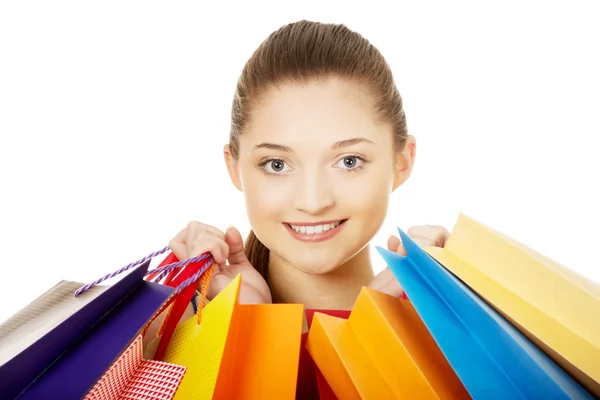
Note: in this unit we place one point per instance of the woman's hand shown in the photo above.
(426, 235)
(197, 239)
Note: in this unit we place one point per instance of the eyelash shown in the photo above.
(263, 163)
(362, 160)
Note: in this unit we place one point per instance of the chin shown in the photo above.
(316, 268)
(317, 264)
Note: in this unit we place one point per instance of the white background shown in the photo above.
(113, 116)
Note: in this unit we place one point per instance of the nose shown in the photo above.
(313, 194)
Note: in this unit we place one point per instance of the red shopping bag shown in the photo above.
(311, 383)
(133, 377)
(178, 276)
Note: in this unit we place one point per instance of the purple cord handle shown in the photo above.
(194, 277)
(162, 270)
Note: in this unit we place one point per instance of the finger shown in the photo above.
(215, 246)
(179, 249)
(424, 242)
(436, 233)
(233, 238)
(386, 282)
(177, 245)
(397, 246)
(197, 228)
(393, 243)
(200, 240)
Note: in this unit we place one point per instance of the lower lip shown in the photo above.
(315, 237)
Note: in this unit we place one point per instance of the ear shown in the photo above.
(232, 168)
(405, 161)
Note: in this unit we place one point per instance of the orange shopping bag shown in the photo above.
(556, 308)
(235, 351)
(382, 351)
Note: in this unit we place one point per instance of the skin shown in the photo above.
(312, 152)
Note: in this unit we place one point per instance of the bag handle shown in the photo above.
(161, 271)
(194, 272)
(205, 272)
(185, 280)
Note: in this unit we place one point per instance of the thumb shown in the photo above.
(234, 240)
(394, 244)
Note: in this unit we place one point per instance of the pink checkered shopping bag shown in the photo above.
(132, 377)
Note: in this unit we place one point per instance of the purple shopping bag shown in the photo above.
(63, 342)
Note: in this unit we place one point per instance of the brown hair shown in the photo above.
(303, 51)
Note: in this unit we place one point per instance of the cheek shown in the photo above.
(266, 198)
(366, 196)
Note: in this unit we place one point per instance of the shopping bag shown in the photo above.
(75, 372)
(306, 385)
(382, 351)
(41, 338)
(155, 349)
(490, 356)
(238, 351)
(324, 390)
(60, 344)
(553, 306)
(133, 377)
(311, 383)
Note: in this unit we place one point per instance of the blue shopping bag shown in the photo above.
(490, 356)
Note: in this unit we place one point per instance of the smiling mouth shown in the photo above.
(312, 229)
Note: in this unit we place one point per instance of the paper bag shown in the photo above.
(491, 357)
(383, 351)
(238, 351)
(59, 345)
(553, 306)
(133, 377)
(311, 383)
(191, 273)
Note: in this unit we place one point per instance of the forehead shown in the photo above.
(315, 114)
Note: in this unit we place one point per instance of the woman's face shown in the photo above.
(317, 169)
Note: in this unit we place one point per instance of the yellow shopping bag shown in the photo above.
(382, 351)
(235, 351)
(556, 308)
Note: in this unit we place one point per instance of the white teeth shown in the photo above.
(312, 229)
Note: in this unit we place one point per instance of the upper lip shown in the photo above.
(332, 221)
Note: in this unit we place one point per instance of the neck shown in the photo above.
(336, 290)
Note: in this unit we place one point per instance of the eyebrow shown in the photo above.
(337, 145)
(350, 142)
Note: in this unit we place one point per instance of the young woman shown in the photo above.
(318, 143)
